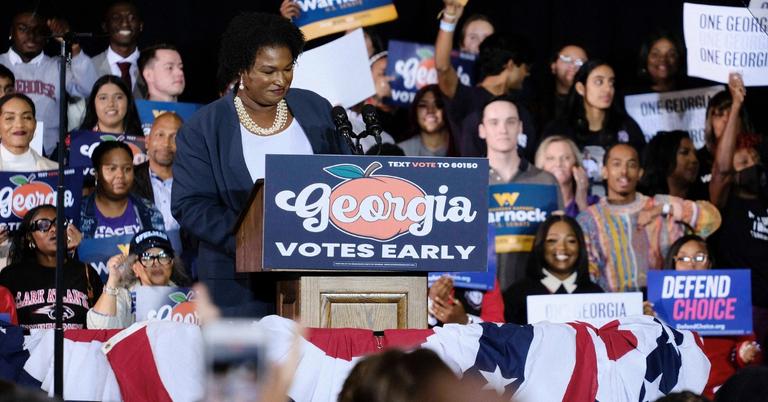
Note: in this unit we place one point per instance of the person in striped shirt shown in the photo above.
(629, 233)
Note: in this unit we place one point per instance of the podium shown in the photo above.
(333, 299)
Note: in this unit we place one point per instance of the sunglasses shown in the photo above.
(698, 258)
(571, 60)
(162, 258)
(45, 224)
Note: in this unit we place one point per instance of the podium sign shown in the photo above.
(375, 213)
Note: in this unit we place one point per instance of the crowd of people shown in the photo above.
(626, 205)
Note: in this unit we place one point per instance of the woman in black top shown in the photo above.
(558, 265)
(31, 275)
(594, 121)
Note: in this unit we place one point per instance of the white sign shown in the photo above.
(338, 70)
(594, 308)
(721, 40)
(677, 110)
(37, 138)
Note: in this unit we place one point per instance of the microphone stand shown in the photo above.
(65, 57)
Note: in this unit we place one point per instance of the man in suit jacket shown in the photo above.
(123, 24)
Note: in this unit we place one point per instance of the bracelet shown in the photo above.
(110, 290)
(666, 209)
(447, 26)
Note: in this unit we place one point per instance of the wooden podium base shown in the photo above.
(355, 301)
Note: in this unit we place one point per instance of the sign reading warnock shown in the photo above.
(22, 191)
(516, 211)
(375, 213)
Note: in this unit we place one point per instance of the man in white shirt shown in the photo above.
(163, 72)
(123, 24)
(37, 75)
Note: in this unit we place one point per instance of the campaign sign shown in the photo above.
(413, 66)
(473, 280)
(594, 308)
(149, 110)
(22, 191)
(675, 110)
(98, 251)
(711, 302)
(721, 40)
(375, 213)
(84, 142)
(167, 303)
(516, 211)
(324, 17)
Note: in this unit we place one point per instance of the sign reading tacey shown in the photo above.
(375, 213)
(594, 308)
(721, 40)
(712, 302)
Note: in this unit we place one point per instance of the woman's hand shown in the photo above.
(290, 9)
(441, 288)
(452, 10)
(748, 351)
(115, 265)
(736, 88)
(74, 237)
(582, 187)
(449, 311)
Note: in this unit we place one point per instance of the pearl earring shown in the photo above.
(242, 87)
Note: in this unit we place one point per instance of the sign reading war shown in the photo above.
(375, 213)
(712, 302)
(516, 211)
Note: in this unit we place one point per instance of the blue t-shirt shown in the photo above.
(128, 224)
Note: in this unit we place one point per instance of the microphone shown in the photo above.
(344, 128)
(372, 126)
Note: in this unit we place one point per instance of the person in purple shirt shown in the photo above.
(559, 156)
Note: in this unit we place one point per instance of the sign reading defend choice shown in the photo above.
(712, 302)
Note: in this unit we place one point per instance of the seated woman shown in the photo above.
(558, 265)
(18, 125)
(151, 261)
(112, 210)
(110, 108)
(560, 156)
(670, 166)
(431, 133)
(31, 275)
(726, 353)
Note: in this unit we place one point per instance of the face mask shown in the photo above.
(752, 180)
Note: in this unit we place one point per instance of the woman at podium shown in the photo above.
(221, 149)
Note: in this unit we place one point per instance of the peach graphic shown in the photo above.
(28, 194)
(185, 309)
(368, 191)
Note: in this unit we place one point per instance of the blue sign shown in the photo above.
(22, 191)
(98, 251)
(319, 18)
(413, 66)
(149, 110)
(711, 302)
(375, 213)
(473, 280)
(516, 211)
(84, 142)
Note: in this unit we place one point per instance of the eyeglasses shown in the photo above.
(45, 224)
(571, 60)
(698, 258)
(162, 258)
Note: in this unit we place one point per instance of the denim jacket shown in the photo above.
(148, 214)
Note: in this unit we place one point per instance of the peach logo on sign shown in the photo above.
(28, 194)
(184, 309)
(371, 206)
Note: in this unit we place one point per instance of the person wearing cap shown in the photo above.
(150, 262)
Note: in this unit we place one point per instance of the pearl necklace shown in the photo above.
(280, 118)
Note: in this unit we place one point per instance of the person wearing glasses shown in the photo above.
(554, 89)
(726, 353)
(150, 262)
(30, 277)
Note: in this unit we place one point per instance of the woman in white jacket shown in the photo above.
(150, 262)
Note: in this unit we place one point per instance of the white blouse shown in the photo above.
(292, 141)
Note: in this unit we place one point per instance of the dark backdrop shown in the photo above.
(609, 29)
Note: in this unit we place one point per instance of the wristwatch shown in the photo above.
(110, 290)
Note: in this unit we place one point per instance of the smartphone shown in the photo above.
(236, 364)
